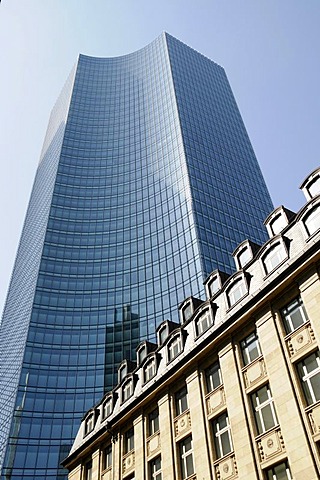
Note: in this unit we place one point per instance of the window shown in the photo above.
(174, 347)
(203, 322)
(186, 458)
(127, 390)
(107, 457)
(213, 286)
(250, 348)
(155, 469)
(213, 377)
(89, 424)
(163, 334)
(278, 224)
(312, 220)
(149, 370)
(142, 353)
(187, 312)
(237, 291)
(128, 441)
(153, 422)
(264, 410)
(279, 472)
(181, 401)
(274, 257)
(314, 187)
(107, 407)
(222, 435)
(294, 315)
(244, 257)
(309, 373)
(88, 470)
(122, 372)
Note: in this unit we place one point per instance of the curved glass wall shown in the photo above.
(128, 235)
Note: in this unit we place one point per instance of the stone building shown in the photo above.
(233, 391)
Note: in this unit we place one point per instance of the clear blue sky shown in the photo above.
(269, 48)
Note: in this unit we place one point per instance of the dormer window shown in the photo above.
(174, 347)
(274, 256)
(122, 372)
(213, 286)
(187, 312)
(162, 334)
(149, 370)
(127, 389)
(107, 407)
(277, 224)
(312, 220)
(311, 185)
(203, 322)
(314, 187)
(244, 257)
(89, 424)
(141, 353)
(236, 291)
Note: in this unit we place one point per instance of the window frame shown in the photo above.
(127, 389)
(218, 435)
(209, 376)
(153, 422)
(89, 424)
(306, 378)
(259, 408)
(272, 252)
(246, 352)
(237, 284)
(313, 209)
(128, 441)
(203, 317)
(106, 412)
(157, 474)
(176, 340)
(107, 457)
(181, 401)
(150, 362)
(184, 454)
(273, 474)
(286, 315)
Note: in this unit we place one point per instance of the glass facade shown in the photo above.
(149, 182)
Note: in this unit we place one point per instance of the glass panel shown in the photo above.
(213, 377)
(312, 222)
(278, 224)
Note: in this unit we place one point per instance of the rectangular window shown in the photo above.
(203, 323)
(174, 347)
(181, 401)
(155, 469)
(149, 370)
(279, 472)
(294, 315)
(128, 441)
(127, 390)
(222, 435)
(250, 348)
(107, 408)
(264, 410)
(153, 422)
(107, 457)
(88, 470)
(309, 373)
(186, 458)
(213, 377)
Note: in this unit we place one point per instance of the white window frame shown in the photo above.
(89, 424)
(153, 422)
(237, 291)
(246, 344)
(307, 376)
(127, 390)
(272, 474)
(141, 354)
(259, 407)
(128, 441)
(203, 322)
(155, 470)
(278, 223)
(163, 334)
(290, 309)
(122, 372)
(213, 286)
(311, 220)
(181, 401)
(107, 457)
(174, 347)
(88, 470)
(184, 454)
(274, 256)
(209, 373)
(107, 407)
(244, 257)
(149, 370)
(218, 433)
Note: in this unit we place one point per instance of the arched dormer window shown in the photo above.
(311, 220)
(175, 346)
(107, 407)
(163, 333)
(236, 291)
(122, 371)
(244, 253)
(188, 307)
(277, 224)
(278, 220)
(149, 369)
(203, 321)
(141, 353)
(127, 389)
(89, 423)
(311, 185)
(214, 282)
(244, 256)
(275, 254)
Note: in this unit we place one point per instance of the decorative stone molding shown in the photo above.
(153, 444)
(270, 444)
(314, 419)
(300, 341)
(254, 373)
(182, 424)
(128, 461)
(215, 400)
(107, 475)
(226, 468)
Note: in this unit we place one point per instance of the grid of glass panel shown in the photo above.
(121, 248)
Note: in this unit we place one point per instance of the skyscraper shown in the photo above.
(146, 183)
